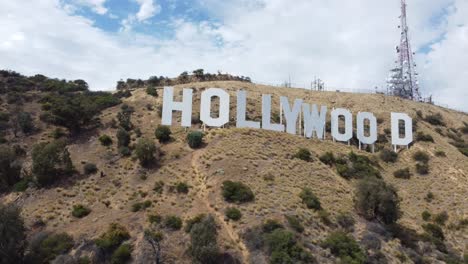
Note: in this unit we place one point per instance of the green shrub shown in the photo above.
(434, 231)
(328, 158)
(152, 91)
(80, 211)
(421, 157)
(163, 133)
(25, 122)
(324, 217)
(309, 199)
(141, 206)
(22, 185)
(388, 155)
(58, 133)
(195, 139)
(402, 173)
(125, 151)
(90, 168)
(346, 221)
(429, 197)
(158, 187)
(285, 249)
(123, 138)
(440, 153)
(13, 234)
(237, 192)
(357, 166)
(422, 168)
(377, 200)
(345, 247)
(10, 168)
(49, 161)
(426, 216)
(203, 242)
(122, 254)
(435, 120)
(303, 154)
(192, 221)
(441, 218)
(270, 225)
(295, 223)
(105, 140)
(173, 222)
(154, 219)
(420, 136)
(112, 238)
(145, 151)
(182, 187)
(125, 117)
(46, 247)
(233, 213)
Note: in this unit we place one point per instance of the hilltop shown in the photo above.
(293, 194)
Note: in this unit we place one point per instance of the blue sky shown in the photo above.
(350, 44)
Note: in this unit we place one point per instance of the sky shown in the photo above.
(349, 44)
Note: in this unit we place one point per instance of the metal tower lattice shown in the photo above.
(403, 81)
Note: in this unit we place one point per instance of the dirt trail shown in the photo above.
(203, 194)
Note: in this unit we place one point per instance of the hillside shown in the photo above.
(264, 161)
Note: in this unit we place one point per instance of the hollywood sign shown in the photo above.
(313, 118)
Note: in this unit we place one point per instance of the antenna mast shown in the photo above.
(403, 78)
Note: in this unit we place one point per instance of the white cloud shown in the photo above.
(147, 9)
(96, 5)
(349, 44)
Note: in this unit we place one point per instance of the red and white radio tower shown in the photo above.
(403, 78)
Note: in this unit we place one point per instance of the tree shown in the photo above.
(123, 138)
(12, 235)
(145, 151)
(155, 238)
(10, 168)
(375, 200)
(125, 117)
(203, 237)
(49, 160)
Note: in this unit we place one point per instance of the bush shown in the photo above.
(123, 138)
(125, 117)
(388, 156)
(173, 222)
(163, 133)
(22, 185)
(46, 247)
(182, 187)
(309, 199)
(152, 91)
(295, 223)
(125, 151)
(80, 211)
(434, 231)
(122, 254)
(429, 197)
(158, 187)
(58, 133)
(145, 151)
(13, 234)
(422, 168)
(192, 221)
(324, 217)
(440, 153)
(435, 120)
(105, 140)
(402, 173)
(90, 168)
(25, 122)
(303, 154)
(140, 206)
(376, 200)
(328, 158)
(420, 136)
(285, 249)
(346, 221)
(10, 168)
(421, 156)
(345, 247)
(426, 216)
(195, 139)
(204, 248)
(357, 166)
(154, 219)
(237, 192)
(441, 218)
(50, 160)
(233, 213)
(112, 238)
(270, 225)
